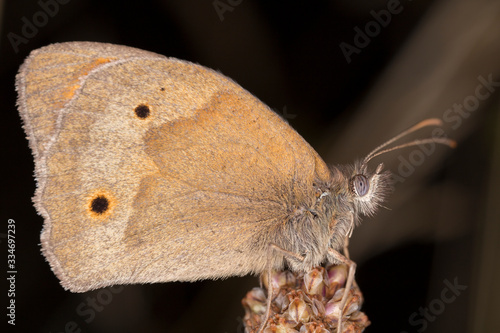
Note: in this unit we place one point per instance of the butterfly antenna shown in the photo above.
(424, 123)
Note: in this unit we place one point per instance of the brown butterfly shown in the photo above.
(153, 169)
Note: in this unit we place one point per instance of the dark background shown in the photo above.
(442, 222)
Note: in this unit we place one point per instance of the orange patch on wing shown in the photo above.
(74, 84)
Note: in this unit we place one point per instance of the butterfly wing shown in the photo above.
(154, 169)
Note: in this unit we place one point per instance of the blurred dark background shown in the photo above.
(442, 224)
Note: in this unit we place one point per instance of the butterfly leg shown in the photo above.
(270, 292)
(346, 254)
(350, 279)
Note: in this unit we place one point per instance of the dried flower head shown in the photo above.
(305, 302)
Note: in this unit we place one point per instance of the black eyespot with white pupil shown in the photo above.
(361, 185)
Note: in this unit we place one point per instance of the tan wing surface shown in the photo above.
(181, 192)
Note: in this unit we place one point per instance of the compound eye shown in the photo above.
(361, 185)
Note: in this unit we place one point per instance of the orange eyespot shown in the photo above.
(100, 204)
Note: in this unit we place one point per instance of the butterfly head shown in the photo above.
(367, 189)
